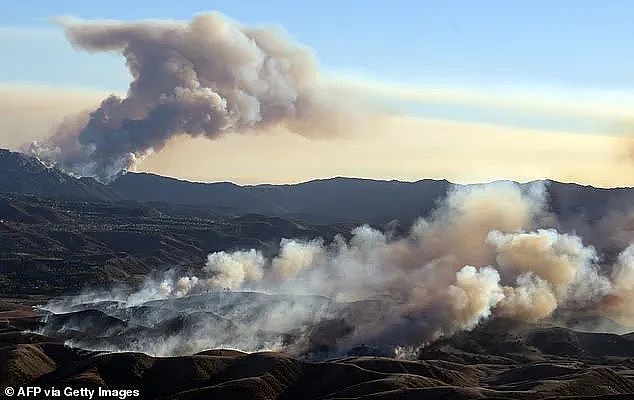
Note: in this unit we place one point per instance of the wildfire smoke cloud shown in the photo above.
(206, 77)
(487, 251)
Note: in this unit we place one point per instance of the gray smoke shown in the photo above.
(206, 77)
(487, 251)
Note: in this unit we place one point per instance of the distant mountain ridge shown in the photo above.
(331, 199)
(321, 201)
(23, 174)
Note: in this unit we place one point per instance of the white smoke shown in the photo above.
(487, 251)
(294, 257)
(560, 259)
(474, 295)
(234, 270)
(620, 304)
(530, 299)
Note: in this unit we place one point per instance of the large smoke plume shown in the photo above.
(487, 251)
(206, 77)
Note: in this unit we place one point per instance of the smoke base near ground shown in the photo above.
(487, 251)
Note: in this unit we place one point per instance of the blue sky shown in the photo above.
(542, 67)
(561, 43)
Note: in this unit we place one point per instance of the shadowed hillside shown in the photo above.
(59, 231)
(500, 360)
(23, 174)
(319, 201)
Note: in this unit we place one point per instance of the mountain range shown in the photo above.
(59, 233)
(318, 201)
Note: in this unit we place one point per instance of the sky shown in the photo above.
(479, 90)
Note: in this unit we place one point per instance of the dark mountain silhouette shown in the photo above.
(318, 201)
(222, 195)
(59, 233)
(326, 200)
(23, 174)
(365, 200)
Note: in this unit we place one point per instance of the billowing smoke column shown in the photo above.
(487, 251)
(201, 78)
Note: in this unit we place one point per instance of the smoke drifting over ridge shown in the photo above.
(487, 251)
(206, 77)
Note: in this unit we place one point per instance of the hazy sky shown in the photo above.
(479, 90)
